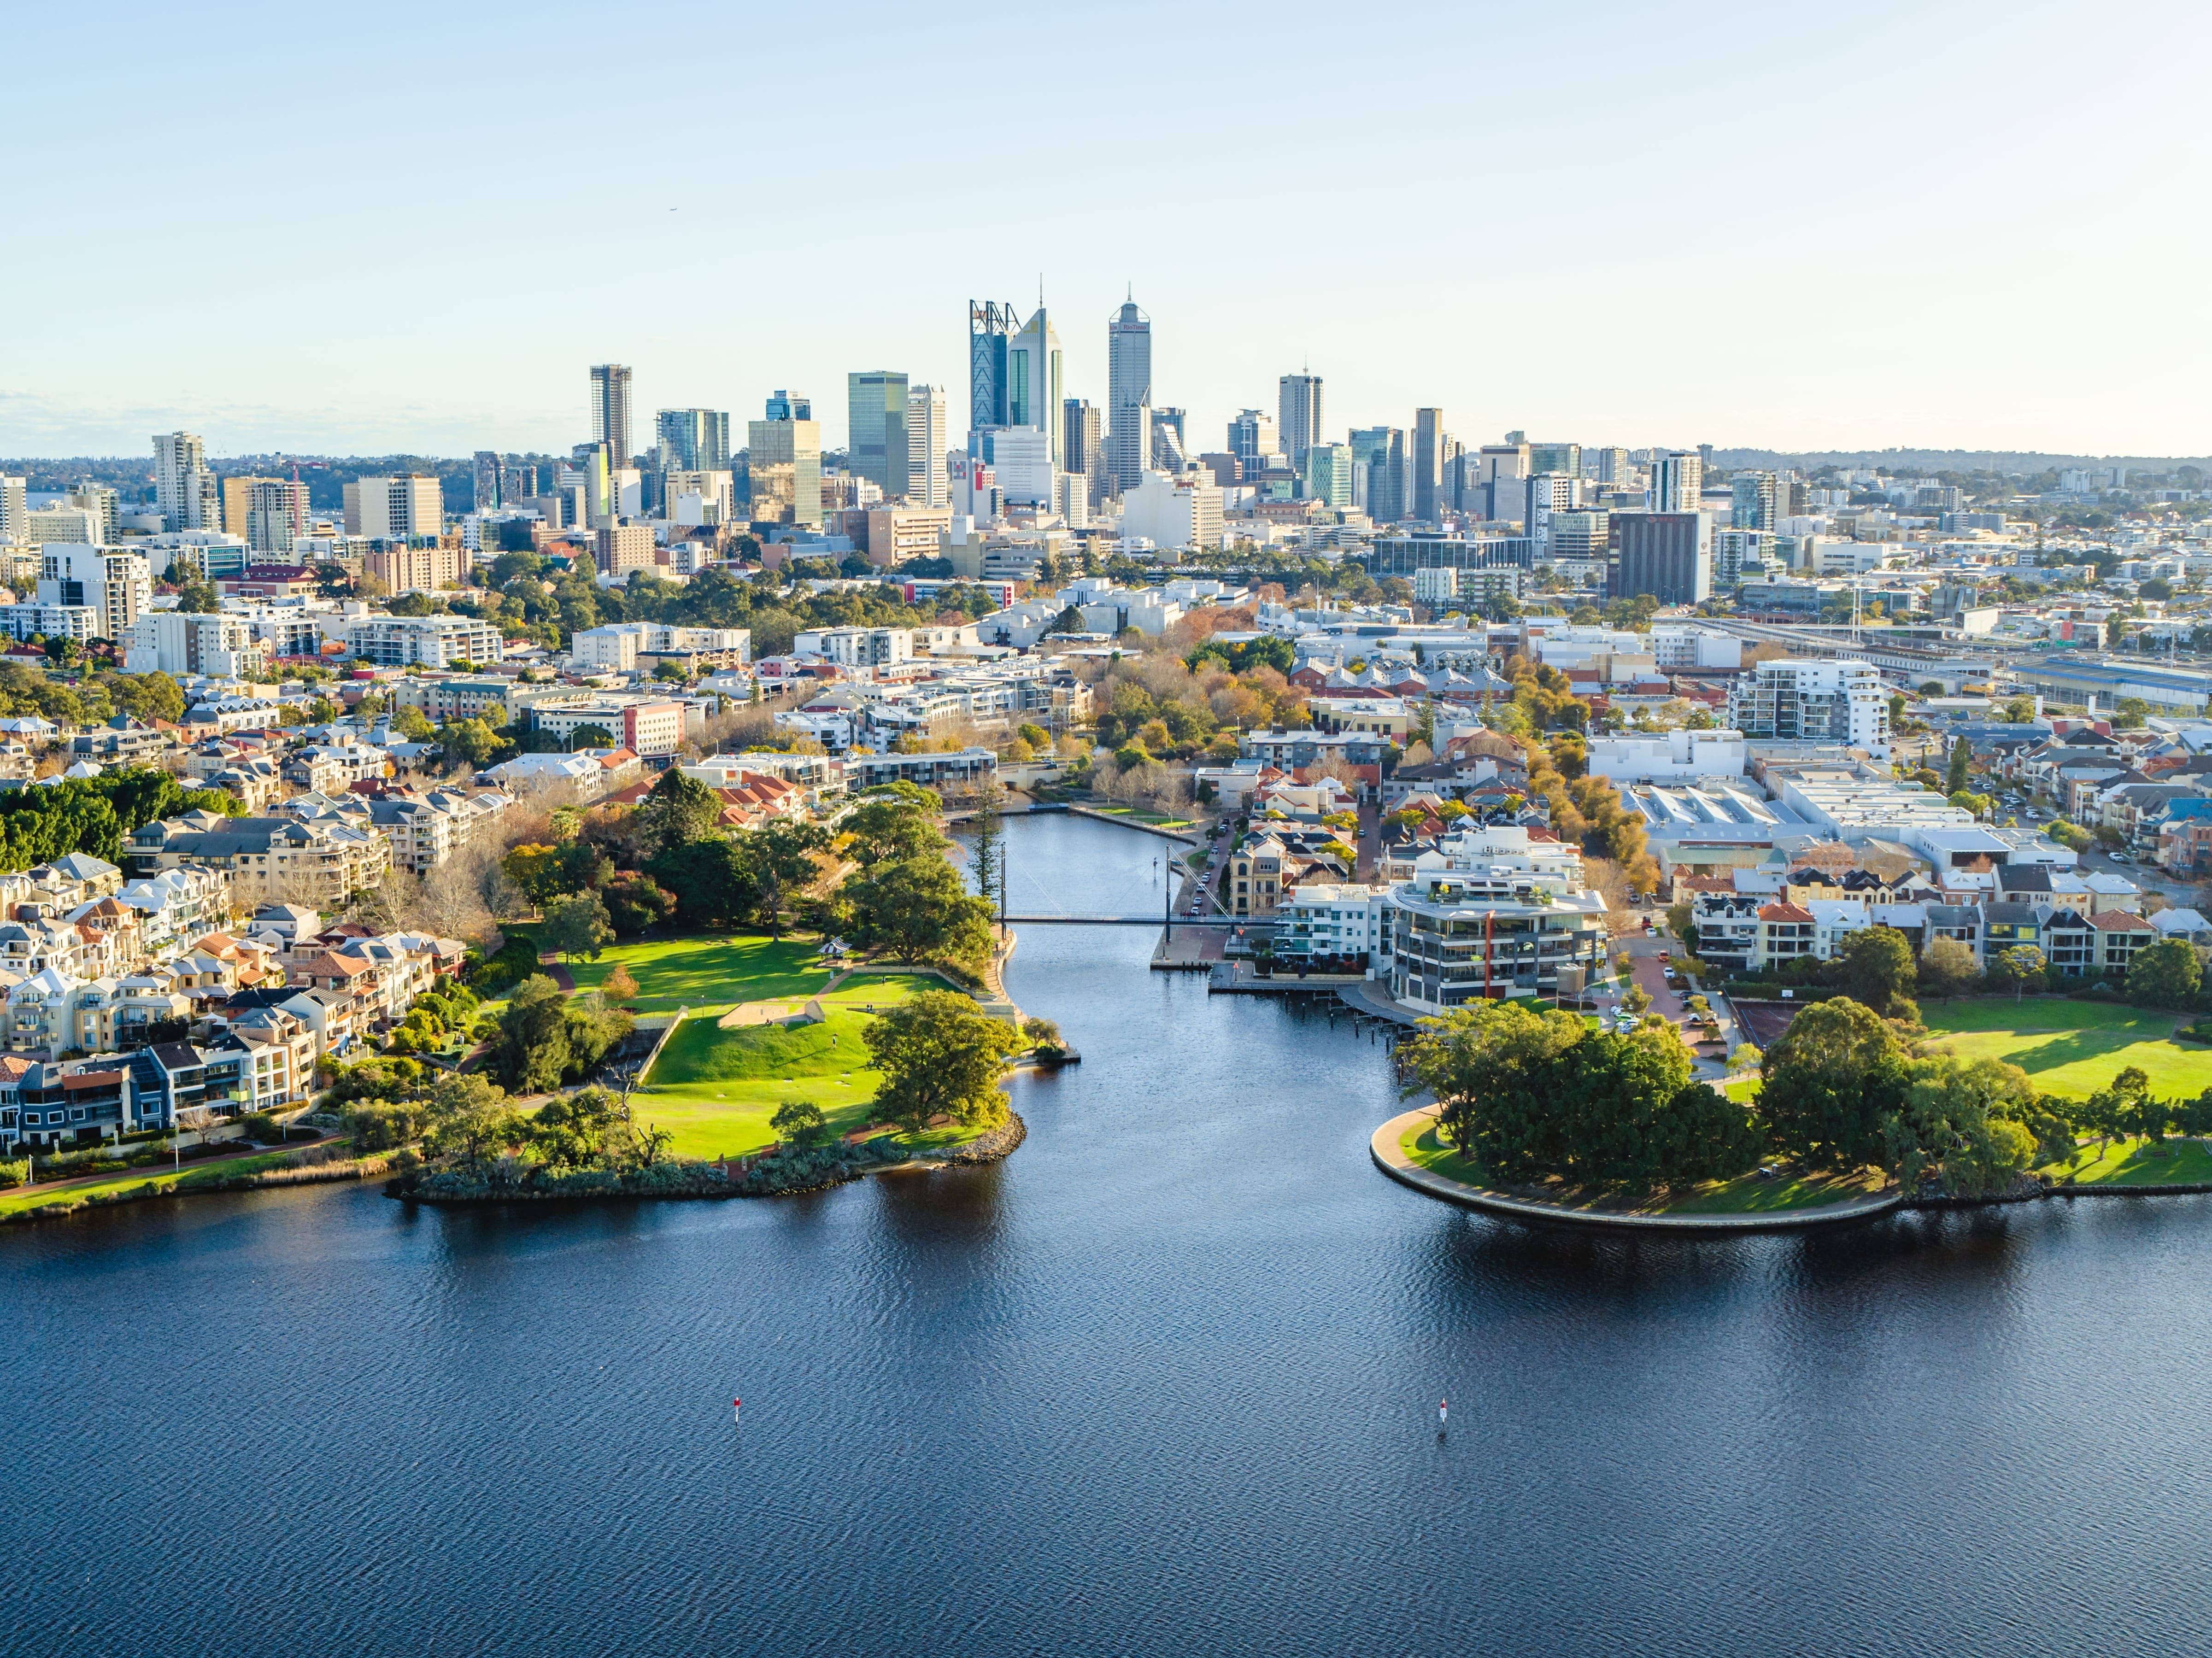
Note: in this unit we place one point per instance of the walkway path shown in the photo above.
(560, 974)
(156, 1170)
(1386, 1147)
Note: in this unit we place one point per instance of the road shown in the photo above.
(1648, 970)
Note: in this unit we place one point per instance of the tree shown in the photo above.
(2166, 974)
(2018, 965)
(533, 1036)
(1965, 1118)
(939, 1055)
(1949, 969)
(596, 736)
(577, 925)
(1875, 966)
(618, 983)
(1961, 760)
(1830, 1081)
(799, 1124)
(712, 881)
(414, 724)
(895, 822)
(198, 598)
(987, 852)
(678, 811)
(470, 1119)
(468, 742)
(918, 907)
(781, 855)
(636, 901)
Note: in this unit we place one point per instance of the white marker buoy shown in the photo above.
(1443, 1409)
(736, 1406)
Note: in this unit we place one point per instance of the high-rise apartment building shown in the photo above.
(1129, 395)
(14, 510)
(1033, 394)
(1791, 699)
(183, 489)
(276, 514)
(693, 439)
(1428, 463)
(1170, 444)
(1083, 446)
(101, 502)
(925, 482)
(1297, 417)
(237, 494)
(1669, 555)
(610, 410)
(990, 328)
(117, 586)
(394, 508)
(1678, 481)
(785, 460)
(876, 444)
(1542, 496)
(484, 495)
(1555, 458)
(1609, 465)
(1252, 440)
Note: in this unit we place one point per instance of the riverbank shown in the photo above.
(308, 1165)
(1405, 1149)
(775, 1173)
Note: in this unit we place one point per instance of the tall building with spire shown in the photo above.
(1297, 417)
(1033, 397)
(1129, 395)
(610, 410)
(990, 328)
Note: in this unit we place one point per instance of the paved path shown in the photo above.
(1389, 1156)
(560, 974)
(155, 1170)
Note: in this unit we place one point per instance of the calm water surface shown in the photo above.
(1164, 1383)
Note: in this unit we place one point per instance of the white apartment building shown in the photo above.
(76, 523)
(857, 647)
(394, 508)
(1174, 513)
(1793, 700)
(117, 586)
(14, 510)
(1694, 647)
(25, 621)
(430, 641)
(177, 642)
(1436, 586)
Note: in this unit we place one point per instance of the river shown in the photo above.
(1164, 1383)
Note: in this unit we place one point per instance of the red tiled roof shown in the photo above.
(2119, 920)
(1784, 912)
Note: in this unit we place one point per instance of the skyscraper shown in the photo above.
(183, 489)
(1327, 474)
(1428, 462)
(1033, 397)
(926, 482)
(876, 446)
(1297, 415)
(1083, 445)
(1171, 450)
(610, 410)
(486, 498)
(990, 326)
(275, 513)
(1129, 394)
(693, 439)
(1678, 481)
(15, 509)
(786, 463)
(1378, 456)
(1252, 440)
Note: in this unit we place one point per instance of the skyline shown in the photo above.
(1957, 229)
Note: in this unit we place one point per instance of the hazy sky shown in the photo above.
(305, 228)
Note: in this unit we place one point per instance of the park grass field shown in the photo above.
(2071, 1047)
(2134, 1163)
(707, 971)
(714, 1091)
(1749, 1195)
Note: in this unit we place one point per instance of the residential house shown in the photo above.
(267, 859)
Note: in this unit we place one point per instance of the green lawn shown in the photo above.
(2132, 1162)
(2073, 1048)
(714, 970)
(714, 1089)
(157, 1179)
(1750, 1195)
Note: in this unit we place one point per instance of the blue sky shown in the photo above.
(305, 228)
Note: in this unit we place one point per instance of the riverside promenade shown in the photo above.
(1387, 1147)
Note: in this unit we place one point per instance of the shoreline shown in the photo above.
(1383, 1147)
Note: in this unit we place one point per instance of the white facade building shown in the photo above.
(1174, 513)
(115, 586)
(1794, 699)
(1668, 758)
